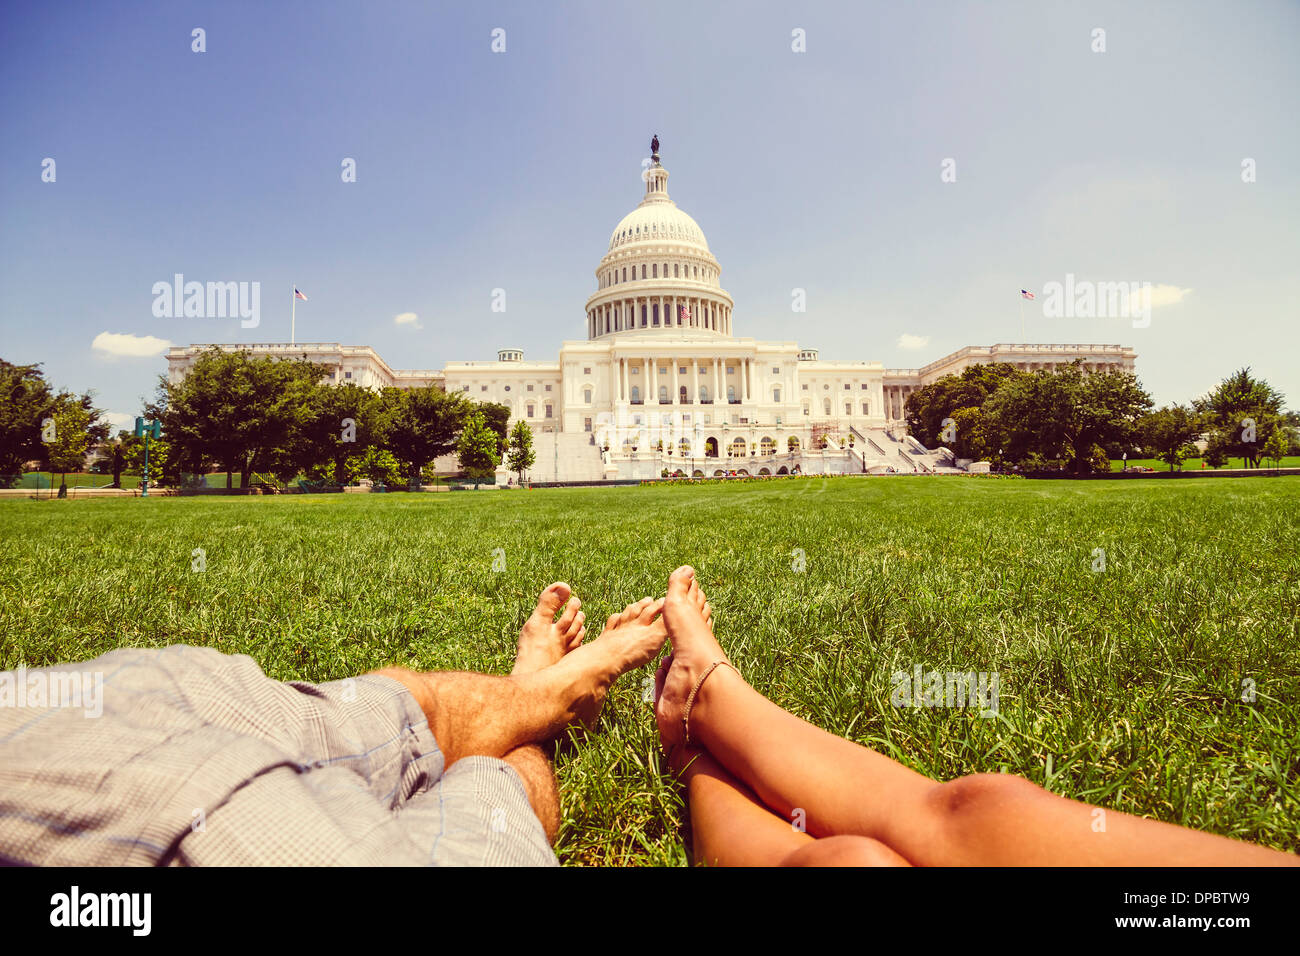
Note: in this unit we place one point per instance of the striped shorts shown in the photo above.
(188, 757)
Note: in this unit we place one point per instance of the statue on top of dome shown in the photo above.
(654, 146)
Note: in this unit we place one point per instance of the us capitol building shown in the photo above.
(662, 381)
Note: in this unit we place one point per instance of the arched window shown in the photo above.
(738, 448)
(586, 394)
(663, 394)
(675, 275)
(776, 395)
(531, 407)
(826, 403)
(642, 270)
(704, 394)
(792, 443)
(767, 446)
(731, 394)
(848, 408)
(684, 448)
(710, 448)
(681, 395)
(625, 273)
(636, 395)
(655, 272)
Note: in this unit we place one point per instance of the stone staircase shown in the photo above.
(877, 451)
(566, 456)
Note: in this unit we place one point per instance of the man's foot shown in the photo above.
(688, 620)
(630, 640)
(543, 640)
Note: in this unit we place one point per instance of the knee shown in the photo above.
(980, 793)
(844, 851)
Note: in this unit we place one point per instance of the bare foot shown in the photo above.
(630, 640)
(688, 619)
(543, 640)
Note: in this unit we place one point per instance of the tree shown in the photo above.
(927, 407)
(110, 458)
(376, 464)
(341, 422)
(25, 400)
(1240, 414)
(477, 448)
(1169, 433)
(1276, 447)
(1067, 415)
(241, 412)
(520, 454)
(420, 424)
(498, 419)
(69, 441)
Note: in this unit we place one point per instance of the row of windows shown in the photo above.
(738, 446)
(611, 318)
(827, 408)
(847, 386)
(484, 388)
(681, 270)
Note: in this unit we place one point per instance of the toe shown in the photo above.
(612, 620)
(570, 613)
(552, 599)
(651, 609)
(680, 581)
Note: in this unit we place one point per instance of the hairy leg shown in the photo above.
(486, 715)
(847, 789)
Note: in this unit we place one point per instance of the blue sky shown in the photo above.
(817, 170)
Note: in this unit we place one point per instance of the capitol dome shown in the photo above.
(658, 274)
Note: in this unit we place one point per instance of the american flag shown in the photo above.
(1026, 295)
(684, 313)
(299, 295)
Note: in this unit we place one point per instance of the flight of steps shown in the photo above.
(878, 451)
(577, 459)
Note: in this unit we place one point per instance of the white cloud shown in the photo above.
(119, 421)
(908, 341)
(1161, 295)
(129, 346)
(408, 318)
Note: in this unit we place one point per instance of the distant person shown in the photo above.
(752, 771)
(200, 758)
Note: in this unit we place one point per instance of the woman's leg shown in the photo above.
(731, 826)
(846, 789)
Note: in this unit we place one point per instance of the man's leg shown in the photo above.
(543, 640)
(484, 715)
(846, 789)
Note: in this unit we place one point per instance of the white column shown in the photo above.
(651, 381)
(717, 380)
(744, 381)
(676, 396)
(693, 393)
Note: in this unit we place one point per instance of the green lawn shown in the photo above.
(1194, 464)
(1122, 687)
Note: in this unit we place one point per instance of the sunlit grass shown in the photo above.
(1123, 687)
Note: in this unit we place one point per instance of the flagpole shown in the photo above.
(293, 312)
(1022, 318)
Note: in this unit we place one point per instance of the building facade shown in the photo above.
(663, 384)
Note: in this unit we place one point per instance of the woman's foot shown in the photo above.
(543, 640)
(688, 619)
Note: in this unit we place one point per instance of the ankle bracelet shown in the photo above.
(690, 701)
